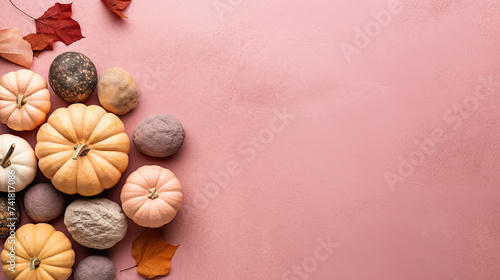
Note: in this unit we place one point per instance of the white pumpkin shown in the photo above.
(18, 164)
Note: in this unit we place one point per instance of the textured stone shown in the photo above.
(43, 202)
(117, 91)
(97, 223)
(95, 268)
(159, 135)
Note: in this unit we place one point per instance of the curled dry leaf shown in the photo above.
(117, 6)
(152, 254)
(14, 48)
(57, 21)
(40, 42)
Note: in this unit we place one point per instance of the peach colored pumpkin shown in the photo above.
(41, 253)
(24, 100)
(151, 196)
(82, 149)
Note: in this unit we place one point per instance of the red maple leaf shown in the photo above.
(117, 6)
(58, 22)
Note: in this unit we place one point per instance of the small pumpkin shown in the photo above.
(18, 164)
(151, 196)
(39, 253)
(82, 149)
(24, 100)
(73, 76)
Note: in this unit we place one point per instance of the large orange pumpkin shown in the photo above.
(151, 196)
(24, 100)
(82, 149)
(38, 252)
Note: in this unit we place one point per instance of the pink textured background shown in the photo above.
(320, 175)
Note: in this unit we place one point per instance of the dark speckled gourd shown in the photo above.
(73, 76)
(9, 212)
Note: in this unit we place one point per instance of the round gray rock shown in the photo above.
(43, 202)
(95, 267)
(97, 223)
(159, 135)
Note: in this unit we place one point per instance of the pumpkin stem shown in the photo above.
(5, 161)
(80, 150)
(152, 193)
(34, 263)
(20, 100)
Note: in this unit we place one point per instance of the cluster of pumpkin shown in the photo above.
(82, 150)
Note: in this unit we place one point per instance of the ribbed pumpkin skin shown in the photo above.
(88, 174)
(145, 211)
(51, 247)
(23, 162)
(36, 105)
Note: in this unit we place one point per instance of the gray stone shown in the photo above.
(95, 268)
(43, 202)
(97, 223)
(159, 135)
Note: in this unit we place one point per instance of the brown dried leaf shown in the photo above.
(117, 6)
(152, 254)
(40, 42)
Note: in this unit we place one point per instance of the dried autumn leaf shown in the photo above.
(117, 6)
(152, 254)
(40, 42)
(58, 22)
(14, 48)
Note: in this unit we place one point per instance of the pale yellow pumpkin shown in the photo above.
(24, 100)
(17, 163)
(39, 252)
(82, 149)
(151, 196)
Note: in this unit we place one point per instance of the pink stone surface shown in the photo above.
(263, 195)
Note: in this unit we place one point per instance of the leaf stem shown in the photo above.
(128, 268)
(21, 10)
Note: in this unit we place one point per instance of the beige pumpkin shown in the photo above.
(82, 149)
(151, 196)
(39, 252)
(24, 100)
(18, 164)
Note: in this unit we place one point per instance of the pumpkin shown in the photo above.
(151, 196)
(73, 76)
(82, 149)
(18, 163)
(39, 252)
(24, 100)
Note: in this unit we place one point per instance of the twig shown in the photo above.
(21, 10)
(128, 268)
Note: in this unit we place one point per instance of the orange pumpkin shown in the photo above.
(24, 100)
(82, 149)
(151, 196)
(38, 252)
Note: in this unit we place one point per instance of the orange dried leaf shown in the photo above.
(117, 6)
(14, 48)
(152, 254)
